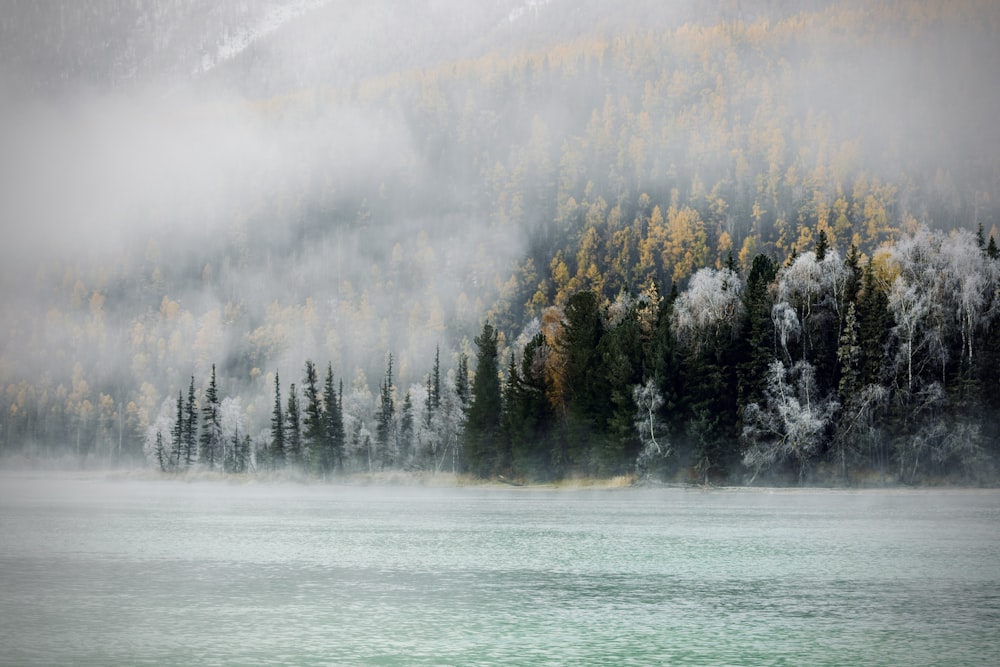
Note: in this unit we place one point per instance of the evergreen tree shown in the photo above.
(462, 381)
(757, 329)
(293, 428)
(277, 455)
(190, 426)
(313, 431)
(482, 428)
(822, 245)
(385, 425)
(177, 433)
(211, 427)
(528, 417)
(587, 407)
(406, 430)
(161, 456)
(434, 393)
(334, 440)
(621, 364)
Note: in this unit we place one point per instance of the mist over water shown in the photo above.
(97, 572)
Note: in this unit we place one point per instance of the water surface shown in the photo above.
(96, 572)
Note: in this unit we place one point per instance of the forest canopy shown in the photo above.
(753, 244)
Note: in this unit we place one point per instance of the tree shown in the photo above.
(159, 453)
(757, 330)
(482, 428)
(587, 407)
(293, 428)
(211, 431)
(650, 427)
(190, 426)
(312, 433)
(462, 381)
(277, 428)
(790, 424)
(334, 439)
(406, 430)
(385, 424)
(177, 433)
(433, 389)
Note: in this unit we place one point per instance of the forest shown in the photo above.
(758, 247)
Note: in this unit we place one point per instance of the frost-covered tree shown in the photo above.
(232, 433)
(790, 425)
(710, 306)
(652, 429)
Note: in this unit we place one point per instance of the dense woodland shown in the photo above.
(721, 250)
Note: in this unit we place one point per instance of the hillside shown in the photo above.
(346, 183)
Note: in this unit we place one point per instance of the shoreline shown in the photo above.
(429, 480)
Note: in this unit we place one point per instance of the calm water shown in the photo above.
(167, 573)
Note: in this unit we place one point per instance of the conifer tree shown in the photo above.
(482, 429)
(211, 427)
(177, 433)
(406, 430)
(293, 428)
(190, 426)
(332, 453)
(385, 421)
(161, 459)
(313, 431)
(462, 381)
(277, 428)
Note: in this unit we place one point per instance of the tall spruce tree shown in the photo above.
(332, 454)
(293, 428)
(312, 433)
(190, 426)
(406, 430)
(462, 381)
(177, 433)
(587, 405)
(385, 423)
(277, 454)
(482, 428)
(211, 427)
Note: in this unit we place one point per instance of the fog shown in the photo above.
(259, 183)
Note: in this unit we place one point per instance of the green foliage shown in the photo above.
(483, 442)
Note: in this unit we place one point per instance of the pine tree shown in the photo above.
(822, 246)
(177, 433)
(462, 381)
(277, 428)
(211, 428)
(159, 453)
(757, 330)
(293, 428)
(482, 429)
(406, 430)
(587, 406)
(332, 452)
(190, 426)
(313, 430)
(385, 430)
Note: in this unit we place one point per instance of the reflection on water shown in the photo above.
(108, 573)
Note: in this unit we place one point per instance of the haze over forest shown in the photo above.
(757, 239)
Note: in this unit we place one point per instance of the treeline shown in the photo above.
(829, 368)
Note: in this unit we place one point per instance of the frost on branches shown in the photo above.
(790, 425)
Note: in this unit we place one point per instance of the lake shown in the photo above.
(124, 572)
